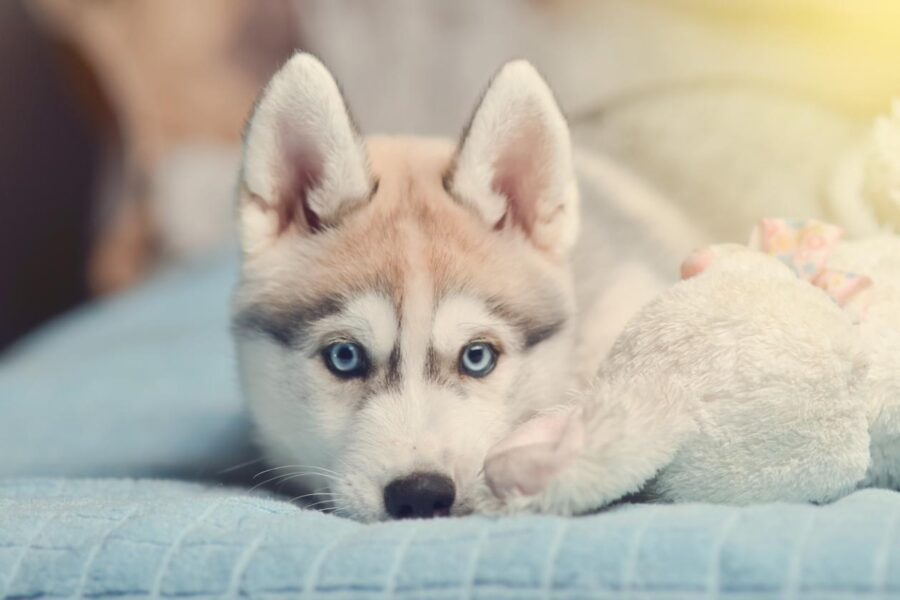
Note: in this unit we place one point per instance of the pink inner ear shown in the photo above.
(521, 174)
(301, 172)
(696, 263)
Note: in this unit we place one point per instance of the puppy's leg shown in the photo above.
(580, 458)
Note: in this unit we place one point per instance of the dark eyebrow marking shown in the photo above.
(392, 372)
(285, 326)
(432, 368)
(538, 333)
(532, 330)
(443, 373)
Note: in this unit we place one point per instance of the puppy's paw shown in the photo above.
(525, 463)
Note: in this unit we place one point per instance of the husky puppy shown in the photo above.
(404, 303)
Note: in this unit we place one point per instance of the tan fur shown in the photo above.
(370, 248)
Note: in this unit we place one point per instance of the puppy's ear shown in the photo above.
(514, 164)
(304, 163)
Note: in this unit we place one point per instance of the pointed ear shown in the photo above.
(514, 164)
(304, 164)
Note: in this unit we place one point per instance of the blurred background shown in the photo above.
(120, 120)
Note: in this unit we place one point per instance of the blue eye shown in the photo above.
(345, 359)
(477, 359)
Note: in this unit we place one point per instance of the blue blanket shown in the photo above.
(65, 537)
(120, 427)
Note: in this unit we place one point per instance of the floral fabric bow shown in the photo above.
(806, 248)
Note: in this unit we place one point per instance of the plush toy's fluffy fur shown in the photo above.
(742, 384)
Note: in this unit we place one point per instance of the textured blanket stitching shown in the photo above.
(486, 591)
(399, 557)
(92, 555)
(176, 544)
(27, 549)
(242, 564)
(469, 583)
(551, 557)
(91, 517)
(792, 585)
(312, 576)
(880, 568)
(715, 569)
(89, 546)
(32, 540)
(629, 569)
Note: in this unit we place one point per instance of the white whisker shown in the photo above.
(314, 504)
(239, 466)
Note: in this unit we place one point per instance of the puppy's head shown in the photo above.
(403, 303)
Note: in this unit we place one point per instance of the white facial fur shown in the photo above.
(443, 424)
(424, 425)
(412, 272)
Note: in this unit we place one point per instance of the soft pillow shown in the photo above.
(141, 385)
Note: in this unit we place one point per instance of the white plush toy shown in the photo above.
(768, 373)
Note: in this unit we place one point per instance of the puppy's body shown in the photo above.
(405, 303)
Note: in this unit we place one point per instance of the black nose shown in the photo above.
(419, 496)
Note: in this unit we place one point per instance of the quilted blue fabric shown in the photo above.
(105, 415)
(118, 538)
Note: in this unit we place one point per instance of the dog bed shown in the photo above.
(124, 470)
